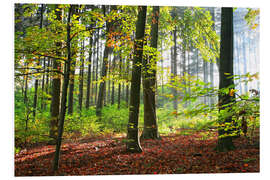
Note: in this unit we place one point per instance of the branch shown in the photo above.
(39, 54)
(45, 71)
(243, 99)
(87, 29)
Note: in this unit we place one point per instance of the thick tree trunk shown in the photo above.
(150, 129)
(226, 70)
(133, 143)
(64, 94)
(55, 93)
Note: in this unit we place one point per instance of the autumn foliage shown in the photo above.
(173, 154)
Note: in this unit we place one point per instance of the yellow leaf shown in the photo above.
(231, 93)
(256, 75)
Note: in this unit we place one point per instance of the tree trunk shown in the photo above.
(101, 93)
(64, 93)
(127, 85)
(113, 68)
(81, 76)
(25, 98)
(175, 106)
(133, 143)
(189, 72)
(197, 64)
(119, 84)
(184, 71)
(36, 81)
(88, 91)
(212, 63)
(92, 96)
(47, 83)
(97, 59)
(162, 78)
(55, 93)
(72, 75)
(43, 86)
(205, 79)
(109, 81)
(226, 70)
(150, 129)
(71, 86)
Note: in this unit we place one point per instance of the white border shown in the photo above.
(7, 99)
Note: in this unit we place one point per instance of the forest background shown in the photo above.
(7, 72)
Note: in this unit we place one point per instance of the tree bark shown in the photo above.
(212, 63)
(119, 84)
(225, 71)
(37, 81)
(55, 93)
(88, 91)
(43, 86)
(97, 59)
(47, 83)
(101, 93)
(113, 90)
(72, 75)
(81, 78)
(25, 98)
(133, 143)
(150, 129)
(64, 93)
(127, 85)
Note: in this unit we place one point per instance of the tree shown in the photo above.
(113, 90)
(88, 91)
(119, 84)
(100, 100)
(73, 67)
(64, 92)
(133, 144)
(225, 80)
(36, 81)
(97, 60)
(56, 85)
(150, 129)
(81, 78)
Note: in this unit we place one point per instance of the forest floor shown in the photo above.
(178, 153)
